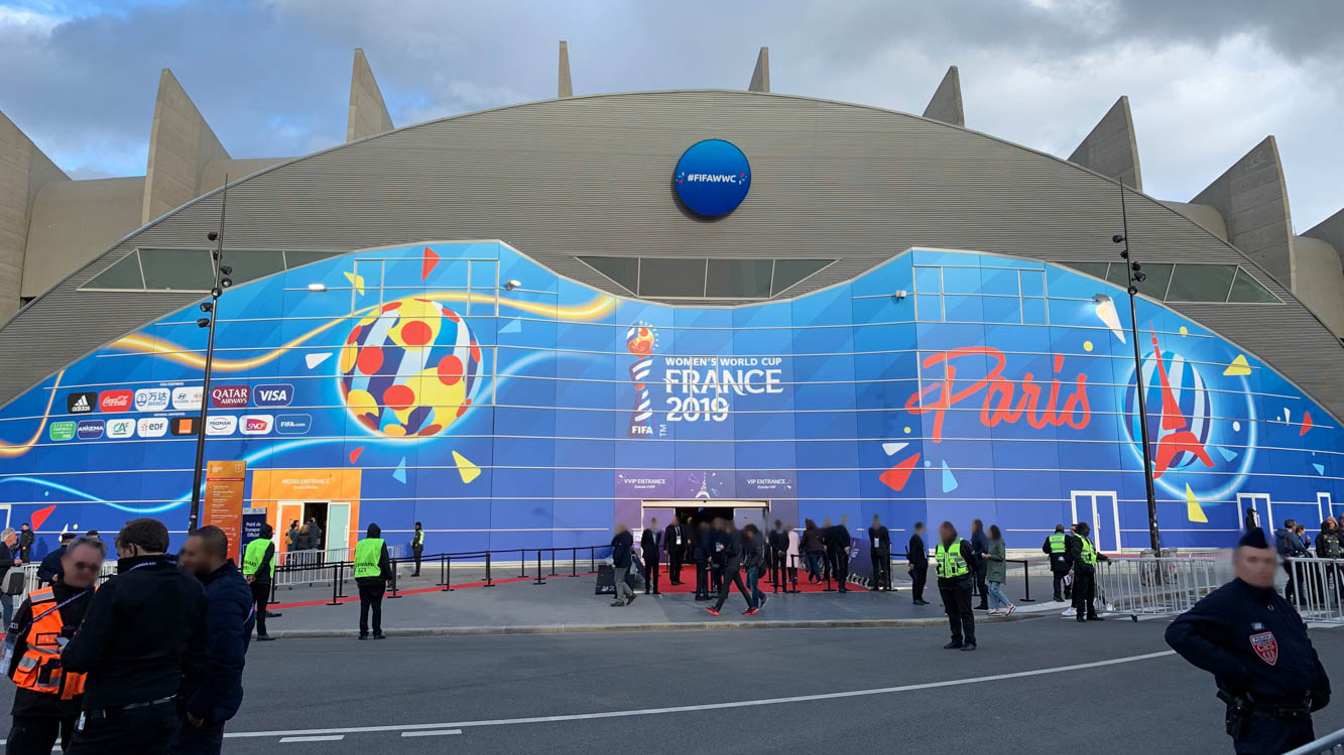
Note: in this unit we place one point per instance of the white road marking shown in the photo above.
(431, 733)
(328, 738)
(291, 735)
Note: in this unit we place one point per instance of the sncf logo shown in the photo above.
(256, 424)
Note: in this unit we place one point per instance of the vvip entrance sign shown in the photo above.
(712, 178)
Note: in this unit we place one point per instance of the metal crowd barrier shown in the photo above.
(312, 567)
(30, 581)
(1314, 589)
(1330, 744)
(1151, 586)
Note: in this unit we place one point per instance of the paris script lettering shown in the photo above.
(999, 404)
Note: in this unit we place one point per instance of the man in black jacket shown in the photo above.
(700, 553)
(674, 541)
(917, 555)
(839, 545)
(622, 543)
(649, 546)
(879, 550)
(779, 556)
(43, 711)
(205, 703)
(143, 634)
(26, 539)
(728, 557)
(50, 568)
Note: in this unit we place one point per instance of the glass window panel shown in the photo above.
(670, 277)
(1033, 283)
(1246, 288)
(963, 308)
(623, 270)
(739, 279)
(299, 259)
(123, 274)
(928, 280)
(997, 280)
(928, 308)
(791, 272)
(961, 280)
(1201, 282)
(1091, 268)
(999, 310)
(177, 269)
(252, 265)
(1159, 275)
(1033, 311)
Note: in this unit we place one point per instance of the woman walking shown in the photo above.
(997, 573)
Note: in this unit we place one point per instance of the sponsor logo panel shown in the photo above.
(256, 424)
(152, 427)
(120, 428)
(224, 424)
(228, 396)
(90, 429)
(64, 430)
(187, 398)
(116, 401)
(273, 394)
(152, 399)
(183, 425)
(293, 424)
(80, 403)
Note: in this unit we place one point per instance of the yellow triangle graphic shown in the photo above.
(468, 470)
(357, 281)
(1193, 511)
(1239, 366)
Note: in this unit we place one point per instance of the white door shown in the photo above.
(338, 530)
(1325, 504)
(1263, 508)
(4, 507)
(1101, 510)
(286, 512)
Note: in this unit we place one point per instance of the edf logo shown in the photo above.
(712, 178)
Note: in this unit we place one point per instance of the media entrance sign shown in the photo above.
(712, 178)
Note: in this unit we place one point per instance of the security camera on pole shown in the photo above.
(221, 273)
(1135, 277)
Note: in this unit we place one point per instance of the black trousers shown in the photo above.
(982, 585)
(651, 577)
(207, 739)
(919, 575)
(261, 595)
(701, 580)
(715, 577)
(881, 569)
(779, 572)
(371, 599)
(418, 552)
(674, 565)
(840, 568)
(29, 735)
(142, 730)
(1084, 592)
(1264, 735)
(960, 617)
(733, 574)
(1058, 583)
(1290, 591)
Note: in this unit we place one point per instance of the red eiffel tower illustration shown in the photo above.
(1178, 439)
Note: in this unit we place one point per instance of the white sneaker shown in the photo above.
(1011, 608)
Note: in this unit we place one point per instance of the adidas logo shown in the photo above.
(81, 404)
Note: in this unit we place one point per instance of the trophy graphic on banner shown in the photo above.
(639, 340)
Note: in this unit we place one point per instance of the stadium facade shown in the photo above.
(781, 306)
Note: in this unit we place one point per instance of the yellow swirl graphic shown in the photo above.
(8, 450)
(139, 342)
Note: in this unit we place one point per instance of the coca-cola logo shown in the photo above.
(116, 401)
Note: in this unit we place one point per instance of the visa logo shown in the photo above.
(273, 394)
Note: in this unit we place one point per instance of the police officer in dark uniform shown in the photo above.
(1257, 649)
(1084, 556)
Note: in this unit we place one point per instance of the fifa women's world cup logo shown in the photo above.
(639, 341)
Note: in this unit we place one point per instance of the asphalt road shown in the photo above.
(373, 693)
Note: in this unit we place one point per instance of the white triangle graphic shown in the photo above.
(314, 360)
(891, 449)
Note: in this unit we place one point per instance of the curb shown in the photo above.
(685, 626)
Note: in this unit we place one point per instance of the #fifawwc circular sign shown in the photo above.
(712, 178)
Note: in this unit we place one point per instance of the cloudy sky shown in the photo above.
(1207, 79)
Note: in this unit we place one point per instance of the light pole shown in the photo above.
(220, 273)
(1136, 276)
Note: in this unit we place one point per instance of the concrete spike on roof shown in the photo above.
(1110, 147)
(1253, 198)
(368, 112)
(946, 105)
(1331, 231)
(24, 170)
(181, 144)
(564, 85)
(760, 77)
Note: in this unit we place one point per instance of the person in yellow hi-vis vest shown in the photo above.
(373, 569)
(956, 562)
(259, 571)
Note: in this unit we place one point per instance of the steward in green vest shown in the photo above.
(259, 571)
(1085, 557)
(373, 568)
(1056, 546)
(955, 560)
